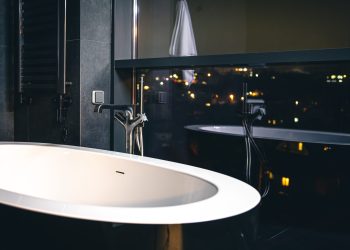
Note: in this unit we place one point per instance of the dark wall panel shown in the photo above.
(95, 75)
(6, 88)
(95, 20)
(88, 64)
(73, 76)
(95, 70)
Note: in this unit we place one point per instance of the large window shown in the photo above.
(243, 26)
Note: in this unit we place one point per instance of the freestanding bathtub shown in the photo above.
(107, 186)
(292, 135)
(308, 170)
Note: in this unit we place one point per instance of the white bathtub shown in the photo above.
(282, 134)
(114, 187)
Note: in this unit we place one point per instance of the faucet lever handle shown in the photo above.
(120, 117)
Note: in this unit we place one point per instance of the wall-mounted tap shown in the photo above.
(124, 114)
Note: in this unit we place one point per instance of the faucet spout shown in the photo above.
(101, 107)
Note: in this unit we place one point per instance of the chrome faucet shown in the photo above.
(124, 114)
(129, 122)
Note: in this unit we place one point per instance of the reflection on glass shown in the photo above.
(297, 96)
(241, 26)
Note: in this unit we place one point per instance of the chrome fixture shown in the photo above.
(134, 44)
(256, 109)
(139, 129)
(124, 114)
(253, 109)
(135, 29)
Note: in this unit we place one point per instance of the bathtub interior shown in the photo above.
(93, 178)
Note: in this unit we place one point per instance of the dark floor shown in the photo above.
(293, 237)
(22, 229)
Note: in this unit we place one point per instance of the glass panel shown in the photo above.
(304, 170)
(241, 26)
(304, 96)
(156, 18)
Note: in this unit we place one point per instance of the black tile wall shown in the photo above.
(6, 88)
(95, 70)
(4, 22)
(88, 68)
(73, 76)
(95, 75)
(95, 20)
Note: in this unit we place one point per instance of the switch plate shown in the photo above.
(98, 97)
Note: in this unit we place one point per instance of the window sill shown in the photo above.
(244, 59)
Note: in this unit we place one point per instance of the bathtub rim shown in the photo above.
(176, 214)
(198, 128)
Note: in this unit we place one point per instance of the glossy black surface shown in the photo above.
(25, 229)
(313, 97)
(275, 237)
(318, 177)
(300, 96)
(297, 96)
